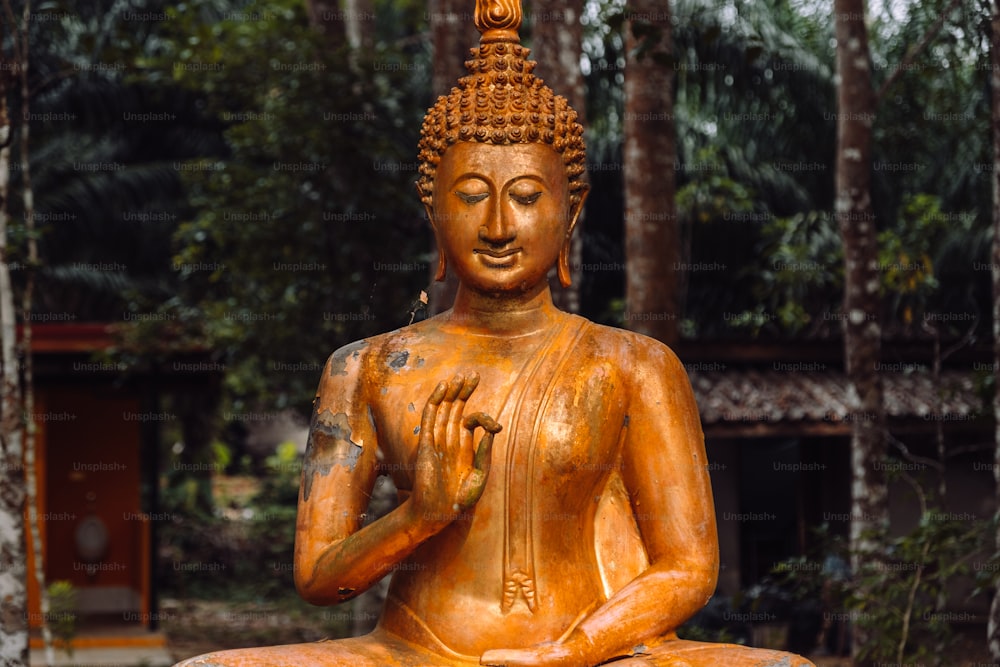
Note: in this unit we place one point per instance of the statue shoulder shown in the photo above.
(638, 353)
(346, 368)
(347, 361)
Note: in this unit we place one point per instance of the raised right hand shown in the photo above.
(450, 476)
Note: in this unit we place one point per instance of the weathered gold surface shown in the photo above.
(555, 506)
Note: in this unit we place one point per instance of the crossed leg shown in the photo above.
(384, 649)
(684, 653)
(376, 649)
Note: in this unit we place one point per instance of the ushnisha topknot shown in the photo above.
(501, 102)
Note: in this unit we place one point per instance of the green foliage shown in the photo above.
(932, 127)
(280, 486)
(305, 233)
(274, 509)
(755, 85)
(215, 553)
(801, 284)
(899, 595)
(904, 252)
(798, 280)
(99, 171)
(700, 633)
(907, 254)
(710, 194)
(898, 599)
(62, 613)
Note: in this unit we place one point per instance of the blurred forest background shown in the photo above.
(234, 181)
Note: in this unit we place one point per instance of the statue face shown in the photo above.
(501, 214)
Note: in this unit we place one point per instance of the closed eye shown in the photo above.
(527, 200)
(472, 198)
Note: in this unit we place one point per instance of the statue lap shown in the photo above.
(383, 649)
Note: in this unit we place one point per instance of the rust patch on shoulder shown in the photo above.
(338, 362)
(329, 444)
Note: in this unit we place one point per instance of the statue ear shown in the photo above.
(442, 268)
(562, 265)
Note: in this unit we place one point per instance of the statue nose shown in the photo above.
(497, 231)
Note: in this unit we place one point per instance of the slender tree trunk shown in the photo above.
(13, 571)
(359, 24)
(993, 626)
(30, 441)
(556, 43)
(862, 332)
(652, 252)
(453, 35)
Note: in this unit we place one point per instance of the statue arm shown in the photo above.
(335, 557)
(665, 472)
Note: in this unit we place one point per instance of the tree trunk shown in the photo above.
(993, 625)
(652, 254)
(453, 34)
(556, 43)
(327, 17)
(34, 527)
(13, 574)
(359, 24)
(862, 332)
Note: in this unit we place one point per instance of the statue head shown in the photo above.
(500, 102)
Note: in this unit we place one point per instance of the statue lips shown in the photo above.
(505, 258)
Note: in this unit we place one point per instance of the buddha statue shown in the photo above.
(554, 498)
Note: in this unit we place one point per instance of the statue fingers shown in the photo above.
(471, 382)
(484, 421)
(472, 487)
(429, 415)
(481, 458)
(456, 438)
(454, 387)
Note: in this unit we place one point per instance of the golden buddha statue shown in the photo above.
(554, 500)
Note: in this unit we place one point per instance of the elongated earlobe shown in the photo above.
(442, 269)
(562, 266)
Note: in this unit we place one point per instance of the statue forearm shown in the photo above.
(654, 603)
(335, 572)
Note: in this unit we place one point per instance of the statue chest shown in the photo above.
(561, 427)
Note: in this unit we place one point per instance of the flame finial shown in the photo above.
(498, 20)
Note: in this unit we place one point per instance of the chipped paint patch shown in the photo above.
(338, 362)
(784, 661)
(397, 360)
(330, 443)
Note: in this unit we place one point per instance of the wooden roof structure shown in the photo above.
(765, 390)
